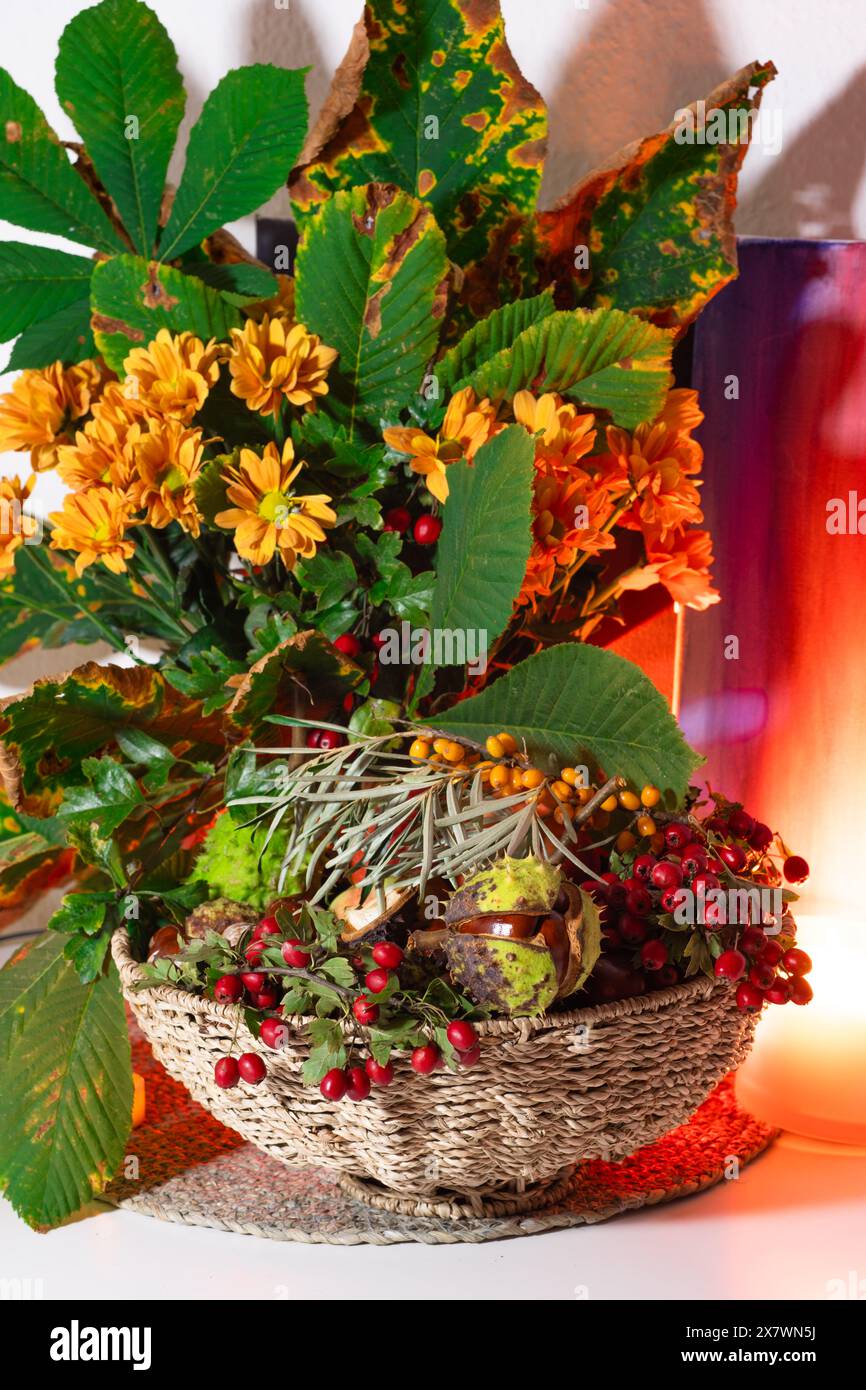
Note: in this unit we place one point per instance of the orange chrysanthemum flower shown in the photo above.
(267, 516)
(657, 461)
(94, 524)
(36, 413)
(276, 361)
(566, 435)
(173, 374)
(16, 528)
(468, 424)
(681, 562)
(168, 460)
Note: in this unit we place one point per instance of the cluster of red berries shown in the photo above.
(636, 958)
(425, 529)
(254, 988)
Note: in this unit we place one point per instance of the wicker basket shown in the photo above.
(503, 1136)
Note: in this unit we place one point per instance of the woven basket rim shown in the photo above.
(699, 987)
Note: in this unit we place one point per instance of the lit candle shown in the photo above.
(807, 1069)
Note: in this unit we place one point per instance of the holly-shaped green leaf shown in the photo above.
(39, 188)
(653, 230)
(240, 151)
(442, 110)
(371, 281)
(576, 703)
(65, 1083)
(117, 79)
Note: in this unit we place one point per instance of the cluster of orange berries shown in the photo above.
(555, 796)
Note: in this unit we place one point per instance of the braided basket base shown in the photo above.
(193, 1170)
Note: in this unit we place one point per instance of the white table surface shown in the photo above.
(790, 1225)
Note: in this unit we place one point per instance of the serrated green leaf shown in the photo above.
(117, 78)
(241, 149)
(370, 281)
(579, 703)
(657, 220)
(64, 337)
(65, 1083)
(490, 336)
(37, 283)
(132, 299)
(80, 912)
(39, 188)
(239, 282)
(486, 539)
(112, 795)
(444, 112)
(602, 358)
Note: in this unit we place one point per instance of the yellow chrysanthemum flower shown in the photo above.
(468, 424)
(275, 361)
(267, 516)
(93, 524)
(168, 460)
(15, 527)
(173, 374)
(35, 414)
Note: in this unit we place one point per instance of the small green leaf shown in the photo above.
(117, 79)
(241, 149)
(39, 188)
(490, 336)
(112, 795)
(579, 703)
(80, 912)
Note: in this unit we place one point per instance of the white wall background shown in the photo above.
(610, 71)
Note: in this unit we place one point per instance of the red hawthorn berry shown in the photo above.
(378, 1074)
(313, 737)
(461, 1035)
(666, 874)
(801, 990)
(796, 962)
(386, 954)
(632, 929)
(795, 869)
(779, 991)
(752, 941)
(761, 837)
(397, 519)
(426, 1059)
(253, 952)
(365, 1011)
(638, 900)
(333, 1084)
(734, 856)
(762, 975)
(274, 1033)
(426, 529)
(377, 980)
(225, 1073)
(741, 824)
(293, 954)
(348, 644)
(771, 954)
(471, 1057)
(254, 980)
(228, 989)
(642, 867)
(252, 1068)
(267, 998)
(677, 834)
(749, 998)
(358, 1087)
(730, 965)
(329, 738)
(653, 954)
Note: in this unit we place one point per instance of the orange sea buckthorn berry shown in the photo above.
(646, 825)
(508, 741)
(625, 841)
(610, 803)
(629, 801)
(583, 794)
(558, 816)
(569, 775)
(440, 745)
(420, 750)
(500, 776)
(532, 777)
(453, 752)
(545, 804)
(516, 778)
(657, 842)
(650, 796)
(494, 747)
(561, 790)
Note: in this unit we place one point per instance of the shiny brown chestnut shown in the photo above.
(516, 925)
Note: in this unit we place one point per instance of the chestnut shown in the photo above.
(517, 925)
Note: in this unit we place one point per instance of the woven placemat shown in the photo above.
(184, 1166)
